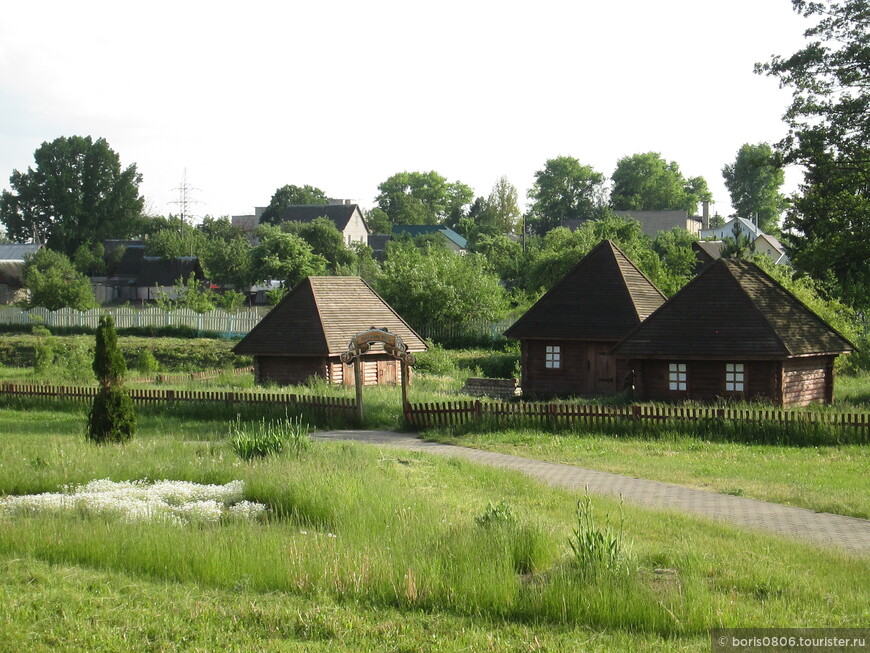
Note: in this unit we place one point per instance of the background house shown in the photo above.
(303, 336)
(348, 218)
(12, 258)
(453, 240)
(734, 332)
(143, 278)
(566, 337)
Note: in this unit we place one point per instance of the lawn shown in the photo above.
(366, 548)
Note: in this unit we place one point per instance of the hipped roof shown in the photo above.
(602, 298)
(733, 310)
(320, 316)
(340, 214)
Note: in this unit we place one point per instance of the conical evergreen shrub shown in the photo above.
(112, 418)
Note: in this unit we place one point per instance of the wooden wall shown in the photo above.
(587, 369)
(808, 380)
(706, 381)
(290, 370)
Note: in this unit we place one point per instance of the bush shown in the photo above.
(435, 361)
(146, 363)
(112, 417)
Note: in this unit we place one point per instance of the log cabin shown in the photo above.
(303, 336)
(566, 337)
(733, 332)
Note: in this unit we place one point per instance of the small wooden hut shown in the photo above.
(303, 336)
(734, 332)
(567, 335)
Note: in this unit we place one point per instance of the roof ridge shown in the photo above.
(625, 281)
(728, 263)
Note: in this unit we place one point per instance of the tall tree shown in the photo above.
(54, 283)
(754, 180)
(423, 198)
(77, 193)
(828, 222)
(284, 256)
(646, 182)
(503, 202)
(564, 189)
(290, 195)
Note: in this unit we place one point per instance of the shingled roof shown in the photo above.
(733, 310)
(340, 214)
(602, 298)
(319, 317)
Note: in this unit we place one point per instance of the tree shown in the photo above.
(754, 180)
(112, 417)
(229, 263)
(284, 256)
(53, 283)
(674, 249)
(436, 286)
(77, 193)
(646, 182)
(503, 202)
(828, 222)
(565, 190)
(739, 244)
(88, 259)
(290, 195)
(327, 241)
(423, 198)
(378, 221)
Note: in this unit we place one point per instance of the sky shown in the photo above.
(247, 97)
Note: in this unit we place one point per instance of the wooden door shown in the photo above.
(604, 371)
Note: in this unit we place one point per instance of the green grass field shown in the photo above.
(373, 549)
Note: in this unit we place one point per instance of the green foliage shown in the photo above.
(423, 198)
(146, 363)
(646, 182)
(285, 257)
(565, 190)
(112, 417)
(378, 221)
(77, 193)
(504, 256)
(435, 360)
(268, 438)
(54, 283)
(327, 241)
(177, 239)
(229, 262)
(230, 300)
(88, 259)
(827, 222)
(43, 351)
(435, 286)
(495, 514)
(595, 548)
(290, 195)
(109, 366)
(677, 257)
(739, 244)
(754, 180)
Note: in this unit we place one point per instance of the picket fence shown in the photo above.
(457, 413)
(331, 406)
(218, 321)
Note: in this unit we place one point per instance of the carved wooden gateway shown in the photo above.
(393, 345)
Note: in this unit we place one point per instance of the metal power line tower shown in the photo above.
(185, 200)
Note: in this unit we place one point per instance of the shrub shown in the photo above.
(43, 350)
(146, 363)
(112, 417)
(435, 361)
(495, 514)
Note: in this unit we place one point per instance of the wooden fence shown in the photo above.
(217, 321)
(457, 413)
(183, 377)
(331, 406)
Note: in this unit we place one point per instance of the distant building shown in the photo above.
(12, 259)
(348, 218)
(453, 240)
(652, 222)
(143, 278)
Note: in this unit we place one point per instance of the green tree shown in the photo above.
(423, 198)
(754, 180)
(112, 417)
(88, 259)
(284, 256)
(739, 244)
(77, 193)
(828, 222)
(378, 221)
(327, 241)
(646, 182)
(53, 283)
(435, 286)
(290, 195)
(229, 263)
(503, 202)
(565, 190)
(176, 239)
(674, 249)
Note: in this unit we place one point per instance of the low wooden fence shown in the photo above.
(183, 377)
(332, 406)
(457, 413)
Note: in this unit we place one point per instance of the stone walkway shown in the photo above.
(849, 533)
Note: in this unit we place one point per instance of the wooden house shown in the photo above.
(145, 278)
(567, 335)
(734, 332)
(303, 336)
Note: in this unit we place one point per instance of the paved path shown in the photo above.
(850, 533)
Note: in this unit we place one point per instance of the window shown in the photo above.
(734, 377)
(553, 359)
(677, 377)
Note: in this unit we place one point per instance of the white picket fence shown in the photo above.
(218, 321)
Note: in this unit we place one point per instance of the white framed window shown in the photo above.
(677, 377)
(735, 377)
(553, 357)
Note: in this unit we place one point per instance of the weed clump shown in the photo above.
(595, 547)
(267, 438)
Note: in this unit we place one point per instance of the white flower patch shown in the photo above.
(179, 502)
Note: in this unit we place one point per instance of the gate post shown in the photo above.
(358, 383)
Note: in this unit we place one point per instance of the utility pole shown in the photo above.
(184, 202)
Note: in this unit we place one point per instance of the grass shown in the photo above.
(367, 545)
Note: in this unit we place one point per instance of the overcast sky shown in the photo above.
(250, 96)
